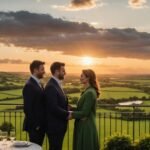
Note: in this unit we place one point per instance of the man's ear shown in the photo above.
(57, 72)
(36, 71)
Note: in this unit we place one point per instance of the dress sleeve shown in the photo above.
(87, 106)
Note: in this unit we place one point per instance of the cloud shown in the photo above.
(70, 7)
(28, 24)
(12, 61)
(42, 31)
(137, 4)
(83, 4)
(77, 5)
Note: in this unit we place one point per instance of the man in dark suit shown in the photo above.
(56, 107)
(33, 96)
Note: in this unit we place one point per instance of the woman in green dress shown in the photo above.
(85, 133)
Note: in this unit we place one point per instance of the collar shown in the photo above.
(57, 80)
(36, 79)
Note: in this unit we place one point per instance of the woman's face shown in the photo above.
(84, 79)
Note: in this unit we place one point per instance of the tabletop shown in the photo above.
(8, 145)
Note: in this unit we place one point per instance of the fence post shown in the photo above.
(133, 123)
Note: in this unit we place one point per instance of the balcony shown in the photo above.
(109, 122)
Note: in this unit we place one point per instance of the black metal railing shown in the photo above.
(110, 119)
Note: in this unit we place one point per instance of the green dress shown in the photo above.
(85, 133)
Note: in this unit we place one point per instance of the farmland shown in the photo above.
(114, 89)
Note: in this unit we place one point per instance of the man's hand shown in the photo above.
(70, 115)
(69, 107)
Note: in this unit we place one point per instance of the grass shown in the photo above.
(10, 94)
(137, 80)
(147, 109)
(117, 93)
(6, 107)
(4, 96)
(120, 89)
(17, 92)
(106, 127)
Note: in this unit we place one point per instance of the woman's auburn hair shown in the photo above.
(89, 73)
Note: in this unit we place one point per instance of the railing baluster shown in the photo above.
(110, 124)
(115, 122)
(121, 123)
(4, 116)
(139, 128)
(127, 122)
(135, 123)
(99, 125)
(20, 126)
(15, 124)
(9, 117)
(145, 122)
(68, 136)
(104, 126)
(128, 125)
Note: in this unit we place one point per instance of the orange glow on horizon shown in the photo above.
(74, 63)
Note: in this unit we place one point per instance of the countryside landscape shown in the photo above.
(115, 90)
(110, 37)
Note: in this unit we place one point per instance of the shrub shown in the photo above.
(144, 144)
(7, 127)
(118, 142)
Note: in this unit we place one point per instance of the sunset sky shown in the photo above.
(109, 36)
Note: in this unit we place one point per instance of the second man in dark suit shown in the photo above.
(56, 107)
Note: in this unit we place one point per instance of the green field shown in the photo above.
(117, 92)
(121, 92)
(12, 92)
(108, 92)
(5, 95)
(138, 81)
(112, 87)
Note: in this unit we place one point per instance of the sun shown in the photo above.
(87, 61)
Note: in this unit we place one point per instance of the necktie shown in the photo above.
(41, 85)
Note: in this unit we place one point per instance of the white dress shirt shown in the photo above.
(59, 83)
(37, 80)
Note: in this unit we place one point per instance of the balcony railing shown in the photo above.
(109, 121)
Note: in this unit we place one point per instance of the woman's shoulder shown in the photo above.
(90, 90)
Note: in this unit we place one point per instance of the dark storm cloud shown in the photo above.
(29, 24)
(41, 31)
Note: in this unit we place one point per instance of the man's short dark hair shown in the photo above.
(35, 65)
(56, 66)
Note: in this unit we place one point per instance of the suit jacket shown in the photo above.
(56, 108)
(33, 96)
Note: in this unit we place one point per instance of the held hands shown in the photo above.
(69, 107)
(70, 110)
(70, 115)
